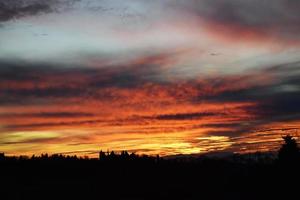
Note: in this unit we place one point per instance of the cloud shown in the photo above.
(223, 125)
(24, 83)
(248, 18)
(11, 10)
(34, 140)
(185, 116)
(276, 99)
(19, 8)
(50, 124)
(46, 115)
(221, 105)
(279, 18)
(273, 92)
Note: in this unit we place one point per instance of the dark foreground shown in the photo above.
(131, 177)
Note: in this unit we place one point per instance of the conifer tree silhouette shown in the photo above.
(289, 152)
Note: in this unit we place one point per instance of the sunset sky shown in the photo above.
(152, 77)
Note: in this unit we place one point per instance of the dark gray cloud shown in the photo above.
(277, 100)
(185, 116)
(46, 115)
(22, 8)
(272, 17)
(14, 9)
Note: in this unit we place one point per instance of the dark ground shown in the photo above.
(131, 177)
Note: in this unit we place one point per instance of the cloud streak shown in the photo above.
(46, 115)
(185, 116)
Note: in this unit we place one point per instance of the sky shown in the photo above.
(152, 77)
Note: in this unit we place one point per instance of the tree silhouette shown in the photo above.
(2, 156)
(102, 155)
(289, 152)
